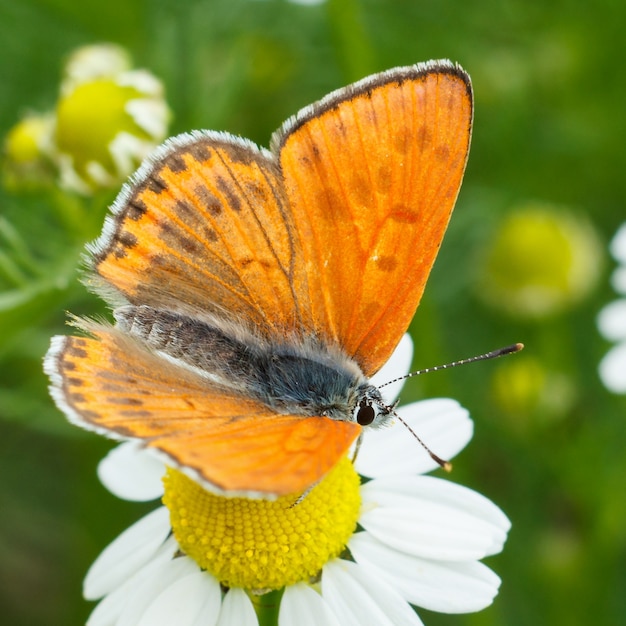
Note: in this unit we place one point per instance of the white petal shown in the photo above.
(303, 606)
(127, 554)
(618, 244)
(612, 369)
(145, 593)
(618, 280)
(109, 609)
(193, 600)
(68, 176)
(93, 62)
(127, 150)
(432, 518)
(612, 321)
(150, 115)
(143, 81)
(397, 365)
(359, 598)
(445, 587)
(97, 173)
(237, 610)
(442, 424)
(130, 472)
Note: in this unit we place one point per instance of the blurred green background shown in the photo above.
(548, 148)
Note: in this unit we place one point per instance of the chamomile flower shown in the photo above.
(346, 553)
(612, 321)
(108, 118)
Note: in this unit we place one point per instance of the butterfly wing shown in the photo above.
(372, 172)
(110, 383)
(204, 227)
(333, 234)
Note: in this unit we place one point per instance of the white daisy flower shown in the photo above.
(348, 553)
(612, 321)
(109, 117)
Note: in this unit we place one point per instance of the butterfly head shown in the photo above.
(370, 409)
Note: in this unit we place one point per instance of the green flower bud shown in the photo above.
(27, 148)
(524, 386)
(541, 261)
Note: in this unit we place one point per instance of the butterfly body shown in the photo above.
(257, 291)
(295, 376)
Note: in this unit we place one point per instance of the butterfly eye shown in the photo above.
(365, 413)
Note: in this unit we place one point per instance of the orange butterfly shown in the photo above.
(256, 291)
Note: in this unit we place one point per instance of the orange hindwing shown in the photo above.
(111, 384)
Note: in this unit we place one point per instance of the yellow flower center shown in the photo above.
(23, 142)
(261, 544)
(90, 117)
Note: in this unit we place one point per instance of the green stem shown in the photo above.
(267, 607)
(71, 212)
(20, 253)
(11, 270)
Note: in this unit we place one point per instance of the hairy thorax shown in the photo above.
(302, 377)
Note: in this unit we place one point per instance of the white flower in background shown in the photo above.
(109, 117)
(612, 321)
(420, 544)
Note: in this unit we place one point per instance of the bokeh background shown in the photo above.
(525, 259)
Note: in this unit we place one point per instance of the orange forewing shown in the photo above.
(111, 384)
(206, 229)
(373, 172)
(332, 235)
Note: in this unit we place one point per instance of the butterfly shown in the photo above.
(255, 291)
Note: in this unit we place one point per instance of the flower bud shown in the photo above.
(541, 261)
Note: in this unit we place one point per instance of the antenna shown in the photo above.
(494, 354)
(446, 465)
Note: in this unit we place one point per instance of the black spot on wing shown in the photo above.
(209, 200)
(200, 151)
(234, 202)
(176, 163)
(136, 208)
